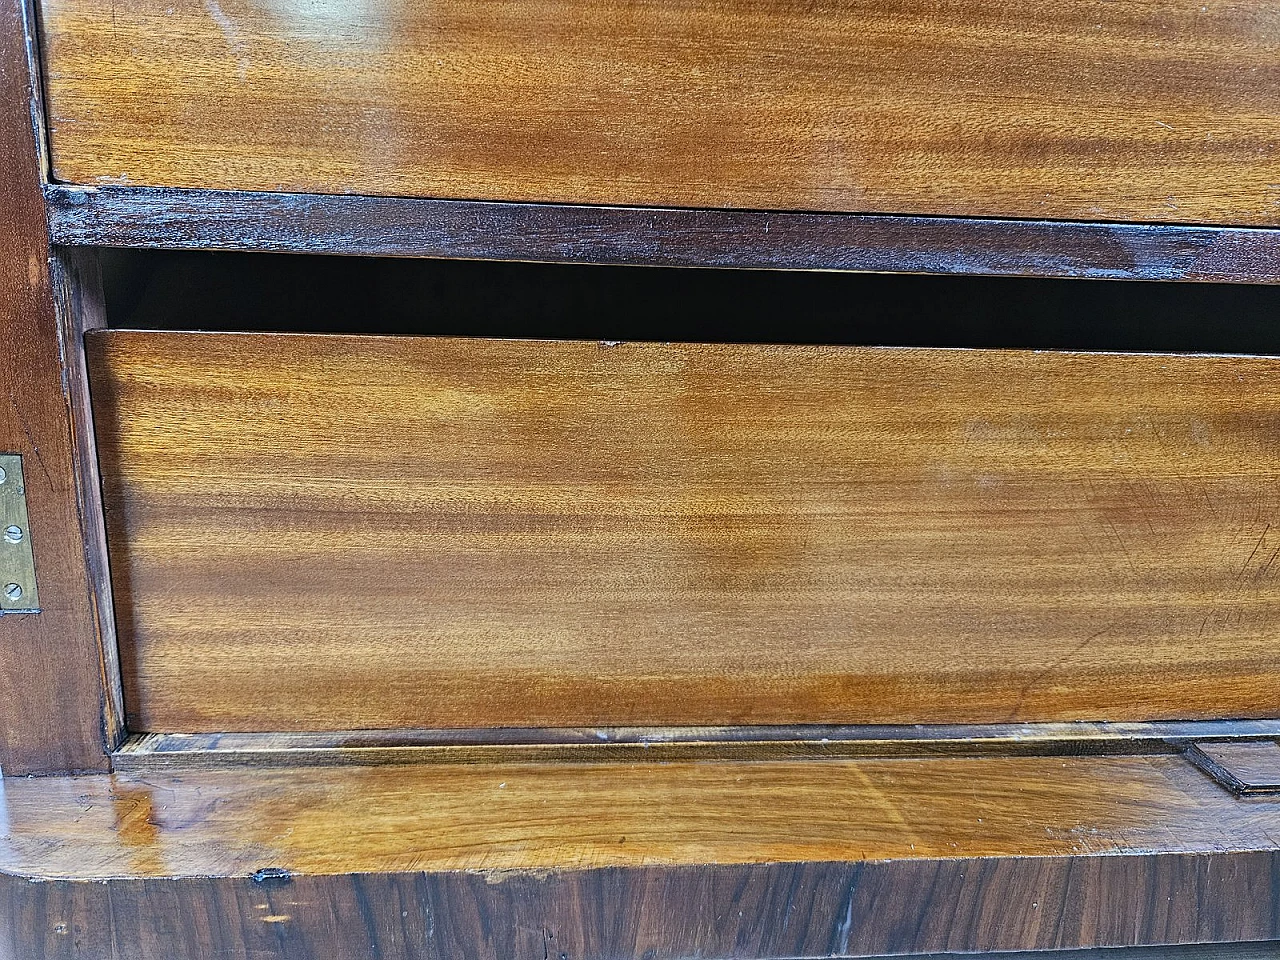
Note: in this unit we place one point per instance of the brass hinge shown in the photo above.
(18, 592)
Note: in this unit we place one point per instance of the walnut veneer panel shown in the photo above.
(1151, 110)
(322, 532)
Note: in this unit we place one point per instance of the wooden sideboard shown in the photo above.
(565, 604)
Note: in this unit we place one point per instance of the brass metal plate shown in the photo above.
(18, 593)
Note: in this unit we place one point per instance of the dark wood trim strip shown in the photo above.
(152, 751)
(222, 220)
(761, 911)
(51, 666)
(1246, 769)
(1197, 951)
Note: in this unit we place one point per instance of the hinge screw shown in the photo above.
(13, 592)
(13, 534)
(3, 476)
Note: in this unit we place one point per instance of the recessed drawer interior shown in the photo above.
(317, 531)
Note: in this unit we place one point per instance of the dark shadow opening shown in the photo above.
(285, 292)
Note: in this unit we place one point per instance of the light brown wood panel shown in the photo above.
(498, 817)
(1151, 110)
(754, 861)
(330, 533)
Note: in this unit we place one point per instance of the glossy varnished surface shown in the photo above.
(330, 533)
(53, 683)
(578, 816)
(714, 859)
(1152, 110)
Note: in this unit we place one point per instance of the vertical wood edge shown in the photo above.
(35, 70)
(51, 671)
(76, 278)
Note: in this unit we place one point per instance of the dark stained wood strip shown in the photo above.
(760, 912)
(52, 670)
(651, 860)
(1199, 951)
(222, 220)
(1244, 767)
(153, 751)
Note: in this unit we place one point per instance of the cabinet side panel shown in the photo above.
(51, 667)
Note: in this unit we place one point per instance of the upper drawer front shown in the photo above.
(1147, 110)
(313, 532)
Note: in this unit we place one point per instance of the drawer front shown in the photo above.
(1160, 110)
(333, 532)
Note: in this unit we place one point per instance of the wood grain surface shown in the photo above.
(316, 533)
(175, 219)
(656, 860)
(1243, 767)
(76, 278)
(53, 679)
(768, 912)
(1147, 110)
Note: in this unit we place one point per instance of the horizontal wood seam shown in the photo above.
(145, 751)
(391, 226)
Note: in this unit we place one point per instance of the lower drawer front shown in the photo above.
(328, 533)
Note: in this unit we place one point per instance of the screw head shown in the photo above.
(13, 592)
(13, 533)
(3, 476)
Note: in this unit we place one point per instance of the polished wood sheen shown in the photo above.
(55, 678)
(332, 533)
(569, 816)
(645, 860)
(1147, 110)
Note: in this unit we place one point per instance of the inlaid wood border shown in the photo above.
(145, 752)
